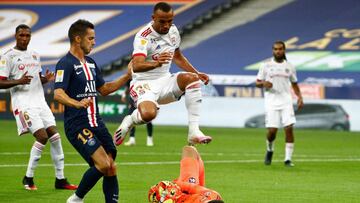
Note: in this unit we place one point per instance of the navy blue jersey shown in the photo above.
(79, 80)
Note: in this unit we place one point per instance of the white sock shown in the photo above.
(136, 117)
(35, 155)
(132, 139)
(270, 146)
(57, 155)
(193, 101)
(289, 149)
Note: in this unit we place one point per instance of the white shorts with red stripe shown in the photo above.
(33, 119)
(163, 90)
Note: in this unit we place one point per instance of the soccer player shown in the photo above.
(155, 46)
(149, 125)
(78, 79)
(277, 76)
(20, 70)
(189, 187)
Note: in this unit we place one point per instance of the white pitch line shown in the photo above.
(179, 154)
(177, 162)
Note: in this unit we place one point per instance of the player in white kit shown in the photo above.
(20, 70)
(155, 46)
(277, 76)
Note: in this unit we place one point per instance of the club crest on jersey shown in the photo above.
(173, 40)
(34, 57)
(158, 47)
(21, 66)
(287, 70)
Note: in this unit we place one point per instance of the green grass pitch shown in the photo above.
(327, 166)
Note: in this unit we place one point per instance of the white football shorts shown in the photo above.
(275, 118)
(163, 90)
(33, 119)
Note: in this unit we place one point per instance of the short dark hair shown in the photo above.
(163, 6)
(78, 28)
(22, 26)
(280, 42)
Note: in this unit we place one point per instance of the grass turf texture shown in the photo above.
(326, 166)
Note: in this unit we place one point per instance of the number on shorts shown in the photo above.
(85, 135)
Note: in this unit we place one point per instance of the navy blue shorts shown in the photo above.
(86, 140)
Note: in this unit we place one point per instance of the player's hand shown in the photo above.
(164, 58)
(25, 79)
(84, 103)
(267, 84)
(203, 77)
(50, 76)
(300, 103)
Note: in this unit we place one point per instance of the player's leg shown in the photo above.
(272, 123)
(189, 166)
(110, 182)
(288, 118)
(131, 140)
(149, 139)
(89, 147)
(143, 94)
(146, 112)
(57, 155)
(36, 127)
(191, 85)
(35, 155)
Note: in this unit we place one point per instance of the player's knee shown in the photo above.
(148, 115)
(112, 169)
(104, 167)
(42, 139)
(190, 78)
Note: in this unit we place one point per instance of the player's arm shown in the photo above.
(181, 61)
(263, 84)
(61, 97)
(6, 83)
(110, 87)
(300, 102)
(48, 77)
(141, 65)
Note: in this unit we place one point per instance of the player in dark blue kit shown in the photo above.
(78, 79)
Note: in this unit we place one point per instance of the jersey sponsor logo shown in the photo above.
(59, 76)
(158, 47)
(90, 86)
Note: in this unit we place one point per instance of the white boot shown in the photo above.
(130, 142)
(123, 130)
(74, 199)
(197, 137)
(149, 142)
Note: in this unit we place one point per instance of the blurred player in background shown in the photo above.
(131, 106)
(189, 187)
(78, 79)
(20, 70)
(155, 46)
(277, 76)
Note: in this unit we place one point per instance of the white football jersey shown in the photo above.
(281, 75)
(150, 44)
(13, 64)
